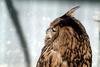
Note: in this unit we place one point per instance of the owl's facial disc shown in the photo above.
(51, 33)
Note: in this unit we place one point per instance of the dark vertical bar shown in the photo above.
(14, 16)
(98, 63)
(99, 50)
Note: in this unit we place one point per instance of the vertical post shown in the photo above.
(97, 19)
(14, 16)
(99, 46)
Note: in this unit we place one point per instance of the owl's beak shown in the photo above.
(71, 12)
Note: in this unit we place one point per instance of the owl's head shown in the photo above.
(67, 20)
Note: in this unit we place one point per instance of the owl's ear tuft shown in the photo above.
(71, 12)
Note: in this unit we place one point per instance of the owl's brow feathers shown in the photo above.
(55, 22)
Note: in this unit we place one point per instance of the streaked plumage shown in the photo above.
(66, 44)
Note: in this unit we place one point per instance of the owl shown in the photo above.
(66, 43)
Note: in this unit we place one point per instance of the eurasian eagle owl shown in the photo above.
(66, 44)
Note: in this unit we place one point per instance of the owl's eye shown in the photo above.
(54, 29)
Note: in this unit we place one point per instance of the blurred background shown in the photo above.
(23, 24)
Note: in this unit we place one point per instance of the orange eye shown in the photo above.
(54, 29)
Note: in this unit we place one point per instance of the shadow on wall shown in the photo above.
(14, 16)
